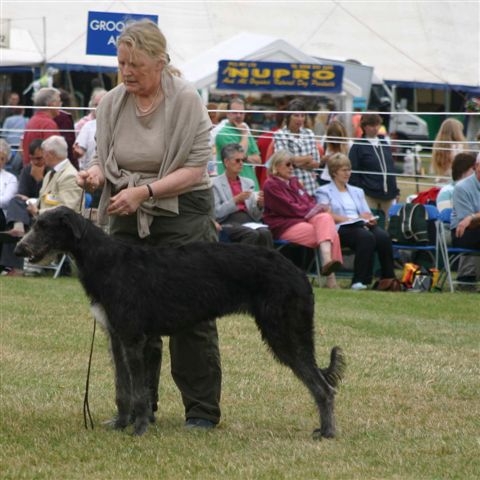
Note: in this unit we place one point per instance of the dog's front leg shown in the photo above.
(140, 398)
(123, 384)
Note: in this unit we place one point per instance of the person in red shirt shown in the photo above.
(47, 104)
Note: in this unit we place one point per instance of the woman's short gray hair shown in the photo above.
(280, 156)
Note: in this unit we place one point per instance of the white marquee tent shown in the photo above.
(418, 43)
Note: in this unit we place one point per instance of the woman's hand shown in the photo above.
(261, 199)
(91, 179)
(127, 200)
(242, 196)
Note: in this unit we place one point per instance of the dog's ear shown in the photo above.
(74, 221)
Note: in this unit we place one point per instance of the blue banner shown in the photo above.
(268, 76)
(104, 28)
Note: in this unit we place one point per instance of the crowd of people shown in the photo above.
(263, 183)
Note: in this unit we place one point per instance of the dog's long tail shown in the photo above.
(335, 371)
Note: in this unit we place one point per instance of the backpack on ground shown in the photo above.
(409, 226)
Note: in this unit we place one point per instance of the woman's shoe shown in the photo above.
(330, 267)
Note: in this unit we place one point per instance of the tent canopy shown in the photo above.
(426, 42)
(202, 70)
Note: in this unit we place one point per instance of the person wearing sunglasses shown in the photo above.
(294, 215)
(238, 208)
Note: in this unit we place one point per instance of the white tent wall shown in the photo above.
(432, 42)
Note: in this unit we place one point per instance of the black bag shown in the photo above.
(410, 225)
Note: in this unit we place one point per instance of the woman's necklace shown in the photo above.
(146, 110)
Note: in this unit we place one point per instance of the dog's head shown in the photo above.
(54, 231)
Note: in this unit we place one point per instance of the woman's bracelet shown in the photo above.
(150, 191)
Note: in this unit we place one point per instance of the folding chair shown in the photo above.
(313, 267)
(55, 266)
(450, 255)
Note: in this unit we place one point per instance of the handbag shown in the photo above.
(388, 285)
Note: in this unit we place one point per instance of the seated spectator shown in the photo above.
(236, 202)
(8, 181)
(462, 167)
(8, 184)
(357, 227)
(465, 222)
(286, 211)
(17, 216)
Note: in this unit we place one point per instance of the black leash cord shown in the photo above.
(86, 406)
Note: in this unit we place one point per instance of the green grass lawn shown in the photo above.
(409, 406)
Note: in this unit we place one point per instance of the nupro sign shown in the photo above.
(104, 28)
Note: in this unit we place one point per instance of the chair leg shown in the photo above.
(318, 265)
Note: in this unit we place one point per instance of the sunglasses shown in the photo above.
(289, 164)
(239, 160)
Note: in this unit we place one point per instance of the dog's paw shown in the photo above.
(318, 434)
(117, 423)
(141, 426)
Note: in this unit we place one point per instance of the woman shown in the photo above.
(357, 227)
(151, 161)
(449, 141)
(300, 142)
(286, 211)
(236, 203)
(373, 165)
(336, 141)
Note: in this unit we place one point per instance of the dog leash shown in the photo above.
(86, 405)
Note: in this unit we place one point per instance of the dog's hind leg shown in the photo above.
(321, 383)
(294, 347)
